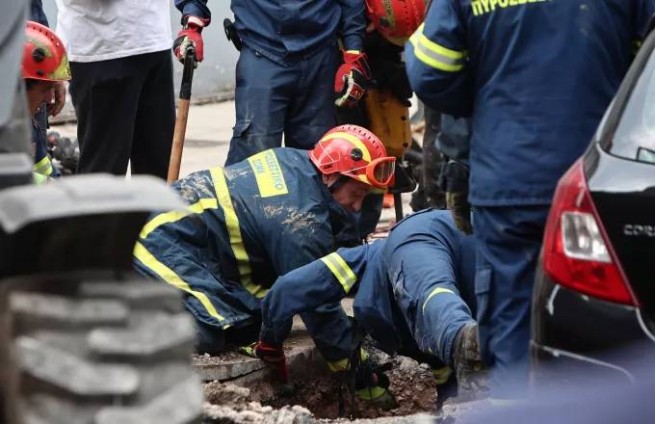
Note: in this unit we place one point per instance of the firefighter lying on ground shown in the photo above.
(255, 220)
(414, 297)
(44, 64)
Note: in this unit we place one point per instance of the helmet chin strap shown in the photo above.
(338, 183)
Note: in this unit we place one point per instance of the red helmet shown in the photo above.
(396, 20)
(356, 153)
(44, 55)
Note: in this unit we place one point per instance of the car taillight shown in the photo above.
(576, 252)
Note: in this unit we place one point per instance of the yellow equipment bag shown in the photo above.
(389, 120)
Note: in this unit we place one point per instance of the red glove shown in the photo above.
(190, 35)
(351, 79)
(273, 355)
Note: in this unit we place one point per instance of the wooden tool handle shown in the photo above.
(183, 103)
(178, 140)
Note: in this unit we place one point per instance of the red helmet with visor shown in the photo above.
(355, 152)
(44, 55)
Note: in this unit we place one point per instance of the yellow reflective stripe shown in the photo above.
(435, 292)
(436, 55)
(169, 276)
(438, 48)
(366, 155)
(39, 178)
(44, 166)
(343, 273)
(174, 216)
(234, 233)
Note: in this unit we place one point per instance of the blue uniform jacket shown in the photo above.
(42, 162)
(245, 225)
(536, 75)
(371, 270)
(277, 28)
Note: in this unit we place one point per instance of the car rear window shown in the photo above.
(635, 135)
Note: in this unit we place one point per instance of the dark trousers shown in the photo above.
(125, 111)
(508, 250)
(272, 99)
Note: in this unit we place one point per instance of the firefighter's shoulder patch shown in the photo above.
(268, 174)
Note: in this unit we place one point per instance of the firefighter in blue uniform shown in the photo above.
(536, 77)
(414, 295)
(288, 69)
(43, 167)
(44, 68)
(255, 220)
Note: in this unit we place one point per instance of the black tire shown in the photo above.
(102, 352)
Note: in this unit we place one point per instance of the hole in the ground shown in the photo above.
(412, 385)
(414, 391)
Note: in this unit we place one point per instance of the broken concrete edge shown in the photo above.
(302, 362)
(300, 351)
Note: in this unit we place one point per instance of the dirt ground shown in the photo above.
(316, 399)
(412, 385)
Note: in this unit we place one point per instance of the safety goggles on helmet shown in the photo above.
(378, 173)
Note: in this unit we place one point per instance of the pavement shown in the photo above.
(208, 135)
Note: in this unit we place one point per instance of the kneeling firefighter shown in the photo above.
(414, 296)
(257, 219)
(384, 109)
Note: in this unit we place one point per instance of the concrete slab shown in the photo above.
(301, 354)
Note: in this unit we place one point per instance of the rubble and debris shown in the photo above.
(314, 398)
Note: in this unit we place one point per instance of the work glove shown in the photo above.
(274, 356)
(455, 179)
(372, 386)
(351, 79)
(190, 35)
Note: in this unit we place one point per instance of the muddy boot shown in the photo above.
(467, 362)
(467, 356)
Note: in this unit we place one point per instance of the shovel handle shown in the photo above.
(183, 104)
(190, 64)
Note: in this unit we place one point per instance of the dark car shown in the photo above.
(594, 294)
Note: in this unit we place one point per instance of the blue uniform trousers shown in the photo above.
(428, 288)
(509, 241)
(293, 96)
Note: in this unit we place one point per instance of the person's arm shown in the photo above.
(323, 281)
(352, 25)
(353, 76)
(311, 237)
(437, 61)
(195, 16)
(197, 8)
